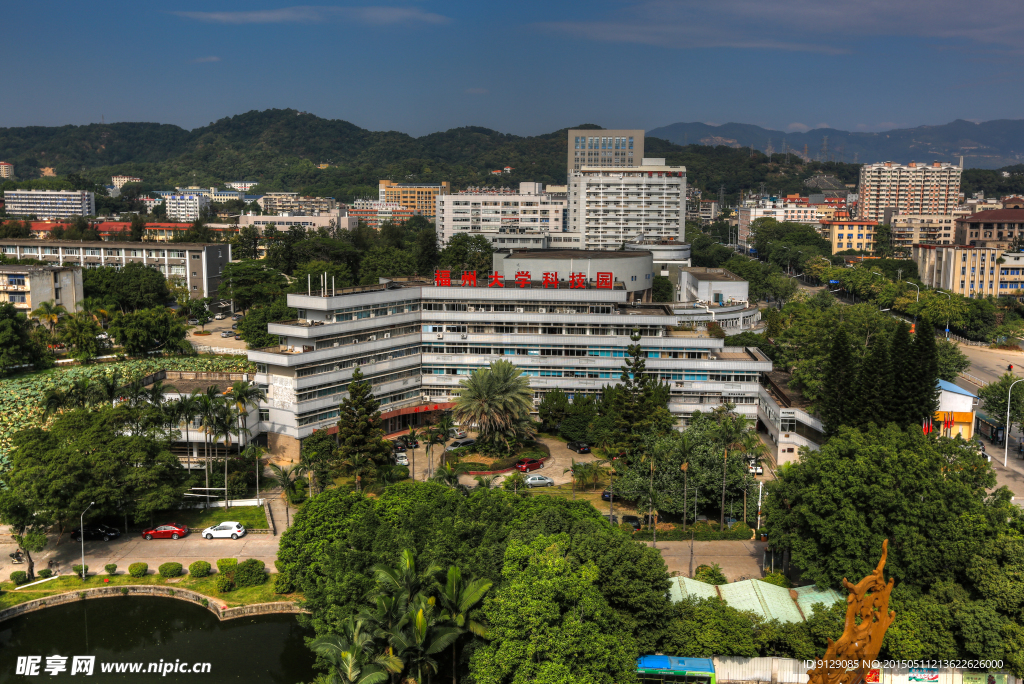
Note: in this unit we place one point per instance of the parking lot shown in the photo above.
(215, 340)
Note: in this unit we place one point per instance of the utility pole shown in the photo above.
(686, 480)
(725, 461)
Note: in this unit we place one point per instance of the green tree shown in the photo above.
(995, 395)
(137, 229)
(925, 374)
(251, 283)
(360, 429)
(79, 334)
(245, 245)
(467, 253)
(355, 656)
(147, 330)
(49, 314)
(308, 276)
(17, 347)
(871, 396)
(662, 290)
(553, 409)
(253, 327)
(705, 628)
(838, 396)
(458, 598)
(130, 288)
(385, 262)
(639, 402)
(549, 622)
(498, 401)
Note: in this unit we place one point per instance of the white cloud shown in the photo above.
(314, 14)
(783, 24)
(798, 127)
(202, 60)
(477, 91)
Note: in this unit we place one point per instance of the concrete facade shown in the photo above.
(26, 287)
(908, 189)
(49, 204)
(970, 271)
(710, 285)
(336, 218)
(277, 203)
(186, 207)
(528, 218)
(604, 148)
(421, 197)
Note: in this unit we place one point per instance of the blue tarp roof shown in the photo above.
(662, 662)
(955, 389)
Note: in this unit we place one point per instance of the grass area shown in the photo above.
(198, 519)
(205, 585)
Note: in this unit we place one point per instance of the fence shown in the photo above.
(206, 349)
(973, 379)
(960, 340)
(792, 671)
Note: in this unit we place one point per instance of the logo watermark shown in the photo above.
(86, 665)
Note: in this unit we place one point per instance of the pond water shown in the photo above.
(129, 633)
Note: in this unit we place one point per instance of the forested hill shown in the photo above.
(282, 149)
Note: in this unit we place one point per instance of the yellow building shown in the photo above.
(846, 234)
(419, 197)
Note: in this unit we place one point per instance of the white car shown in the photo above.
(224, 530)
(456, 433)
(401, 459)
(219, 317)
(539, 481)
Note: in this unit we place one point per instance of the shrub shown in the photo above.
(124, 591)
(283, 583)
(170, 569)
(19, 577)
(199, 569)
(81, 595)
(710, 574)
(45, 572)
(224, 584)
(250, 573)
(204, 603)
(111, 568)
(77, 569)
(226, 565)
(296, 495)
(138, 569)
(778, 579)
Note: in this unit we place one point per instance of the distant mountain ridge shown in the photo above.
(987, 145)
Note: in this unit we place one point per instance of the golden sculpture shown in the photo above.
(850, 659)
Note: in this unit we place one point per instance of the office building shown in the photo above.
(970, 271)
(529, 217)
(908, 189)
(846, 233)
(244, 186)
(26, 287)
(993, 228)
(564, 317)
(186, 207)
(336, 219)
(604, 148)
(609, 207)
(6, 170)
(421, 197)
(925, 229)
(199, 264)
(277, 203)
(49, 204)
(783, 210)
(375, 213)
(119, 181)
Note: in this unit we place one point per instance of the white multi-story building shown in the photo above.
(604, 148)
(911, 189)
(119, 181)
(530, 217)
(563, 316)
(49, 204)
(776, 209)
(6, 170)
(186, 207)
(290, 202)
(244, 186)
(609, 207)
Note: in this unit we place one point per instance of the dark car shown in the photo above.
(168, 531)
(633, 521)
(526, 465)
(234, 326)
(409, 442)
(237, 336)
(398, 447)
(606, 495)
(579, 447)
(613, 519)
(104, 532)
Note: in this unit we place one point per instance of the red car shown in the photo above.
(168, 531)
(526, 465)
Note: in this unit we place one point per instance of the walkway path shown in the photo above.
(738, 559)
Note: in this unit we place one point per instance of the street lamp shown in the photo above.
(81, 535)
(947, 313)
(686, 481)
(1006, 437)
(918, 300)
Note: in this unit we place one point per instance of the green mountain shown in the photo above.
(281, 149)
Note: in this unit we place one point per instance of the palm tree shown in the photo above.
(573, 473)
(594, 472)
(414, 437)
(189, 406)
(49, 314)
(94, 309)
(432, 438)
(355, 656)
(224, 428)
(246, 395)
(422, 639)
(79, 331)
(514, 481)
(485, 481)
(208, 404)
(403, 580)
(448, 475)
(458, 597)
(496, 400)
(255, 451)
(358, 465)
(286, 477)
(106, 388)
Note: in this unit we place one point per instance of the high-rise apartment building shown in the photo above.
(291, 203)
(600, 148)
(49, 204)
(608, 206)
(186, 207)
(529, 217)
(911, 189)
(6, 170)
(420, 197)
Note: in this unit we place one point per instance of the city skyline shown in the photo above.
(920, 64)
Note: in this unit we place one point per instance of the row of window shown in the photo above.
(354, 360)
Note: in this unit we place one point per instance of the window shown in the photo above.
(16, 298)
(195, 287)
(264, 414)
(195, 256)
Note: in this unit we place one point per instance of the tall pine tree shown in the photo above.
(639, 401)
(926, 362)
(904, 376)
(360, 428)
(838, 391)
(873, 394)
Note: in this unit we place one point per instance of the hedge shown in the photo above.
(224, 584)
(111, 568)
(170, 569)
(19, 577)
(45, 573)
(199, 569)
(226, 565)
(283, 583)
(138, 569)
(250, 573)
(701, 532)
(77, 569)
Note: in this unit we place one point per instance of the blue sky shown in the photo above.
(523, 67)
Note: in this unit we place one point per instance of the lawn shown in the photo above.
(198, 519)
(205, 585)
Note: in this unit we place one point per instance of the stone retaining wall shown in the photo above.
(213, 605)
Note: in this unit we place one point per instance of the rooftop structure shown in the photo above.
(754, 596)
(604, 148)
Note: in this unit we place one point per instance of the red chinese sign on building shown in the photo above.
(577, 281)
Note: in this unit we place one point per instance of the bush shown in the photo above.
(701, 531)
(226, 565)
(283, 584)
(77, 569)
(250, 573)
(296, 495)
(19, 577)
(170, 569)
(204, 603)
(199, 569)
(45, 572)
(778, 579)
(111, 568)
(224, 584)
(710, 574)
(138, 569)
(124, 591)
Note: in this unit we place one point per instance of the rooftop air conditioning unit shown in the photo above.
(426, 397)
(470, 308)
(373, 338)
(355, 341)
(440, 336)
(542, 310)
(387, 336)
(336, 343)
(520, 309)
(464, 335)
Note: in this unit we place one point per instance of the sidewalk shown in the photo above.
(738, 559)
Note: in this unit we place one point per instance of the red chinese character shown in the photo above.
(496, 280)
(578, 280)
(468, 278)
(551, 280)
(604, 281)
(522, 278)
(443, 278)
